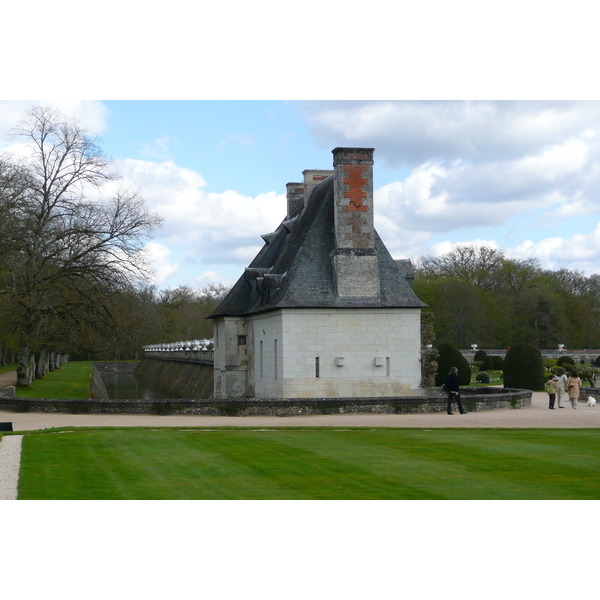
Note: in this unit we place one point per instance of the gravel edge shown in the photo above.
(10, 463)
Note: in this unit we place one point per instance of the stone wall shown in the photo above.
(98, 369)
(177, 379)
(357, 352)
(584, 392)
(475, 399)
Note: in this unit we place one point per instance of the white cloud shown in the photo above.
(412, 132)
(579, 251)
(474, 165)
(211, 227)
(157, 256)
(444, 247)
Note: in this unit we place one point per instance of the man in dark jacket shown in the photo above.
(453, 393)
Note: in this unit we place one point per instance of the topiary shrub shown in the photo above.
(524, 367)
(596, 362)
(564, 360)
(482, 378)
(498, 363)
(488, 364)
(449, 357)
(480, 355)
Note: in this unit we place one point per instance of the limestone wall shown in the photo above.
(357, 353)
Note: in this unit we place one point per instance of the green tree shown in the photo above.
(524, 367)
(450, 356)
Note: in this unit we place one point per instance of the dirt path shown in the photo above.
(537, 415)
(8, 378)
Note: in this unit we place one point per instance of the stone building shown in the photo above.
(323, 310)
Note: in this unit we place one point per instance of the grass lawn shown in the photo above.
(324, 463)
(69, 382)
(8, 368)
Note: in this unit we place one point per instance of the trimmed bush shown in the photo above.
(482, 378)
(480, 355)
(596, 362)
(498, 363)
(487, 364)
(524, 367)
(564, 360)
(449, 357)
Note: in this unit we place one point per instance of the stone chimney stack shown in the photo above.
(295, 191)
(312, 178)
(355, 257)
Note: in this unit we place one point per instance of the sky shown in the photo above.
(520, 176)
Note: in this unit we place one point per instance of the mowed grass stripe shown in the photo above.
(513, 463)
(311, 464)
(438, 468)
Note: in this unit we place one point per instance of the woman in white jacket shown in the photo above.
(560, 387)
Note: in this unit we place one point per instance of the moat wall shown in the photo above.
(98, 387)
(177, 379)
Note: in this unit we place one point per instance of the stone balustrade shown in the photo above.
(199, 351)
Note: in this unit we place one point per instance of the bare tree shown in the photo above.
(72, 248)
(473, 264)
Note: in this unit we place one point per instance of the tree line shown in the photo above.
(73, 272)
(479, 296)
(71, 241)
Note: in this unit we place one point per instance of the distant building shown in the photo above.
(323, 310)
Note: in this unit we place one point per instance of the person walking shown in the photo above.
(550, 388)
(561, 384)
(453, 391)
(573, 387)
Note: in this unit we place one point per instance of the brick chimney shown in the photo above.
(355, 257)
(294, 192)
(312, 178)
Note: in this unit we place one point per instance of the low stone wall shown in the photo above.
(584, 392)
(474, 399)
(178, 379)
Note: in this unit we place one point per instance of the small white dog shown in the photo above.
(591, 401)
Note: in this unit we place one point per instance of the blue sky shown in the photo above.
(521, 176)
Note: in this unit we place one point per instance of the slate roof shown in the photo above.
(294, 268)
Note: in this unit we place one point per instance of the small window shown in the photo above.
(317, 367)
(241, 340)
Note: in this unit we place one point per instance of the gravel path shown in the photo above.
(536, 415)
(10, 462)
